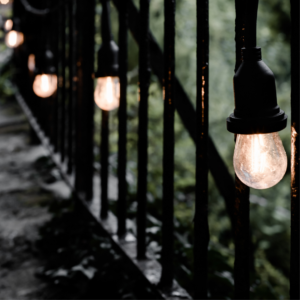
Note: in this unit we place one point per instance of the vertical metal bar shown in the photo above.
(49, 116)
(55, 140)
(85, 14)
(122, 153)
(168, 145)
(104, 163)
(63, 83)
(48, 103)
(242, 253)
(79, 182)
(104, 147)
(242, 192)
(295, 154)
(144, 79)
(43, 102)
(201, 230)
(71, 63)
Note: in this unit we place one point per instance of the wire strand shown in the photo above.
(41, 12)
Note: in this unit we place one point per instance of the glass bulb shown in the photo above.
(8, 25)
(4, 1)
(14, 39)
(259, 160)
(45, 85)
(107, 93)
(31, 62)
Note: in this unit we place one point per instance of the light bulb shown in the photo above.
(4, 1)
(31, 62)
(8, 25)
(107, 93)
(44, 85)
(14, 39)
(259, 160)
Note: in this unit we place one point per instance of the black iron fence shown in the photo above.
(64, 122)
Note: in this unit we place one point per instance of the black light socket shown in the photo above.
(16, 24)
(108, 54)
(45, 62)
(256, 110)
(108, 64)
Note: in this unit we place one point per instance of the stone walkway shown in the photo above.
(23, 191)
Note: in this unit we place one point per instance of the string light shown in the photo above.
(8, 25)
(259, 160)
(45, 85)
(107, 93)
(31, 62)
(13, 39)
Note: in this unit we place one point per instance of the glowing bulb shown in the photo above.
(259, 160)
(8, 25)
(107, 93)
(45, 85)
(31, 62)
(14, 39)
(4, 1)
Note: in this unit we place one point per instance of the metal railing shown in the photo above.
(64, 124)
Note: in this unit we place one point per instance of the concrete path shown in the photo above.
(23, 189)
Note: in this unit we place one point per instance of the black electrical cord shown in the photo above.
(256, 109)
(105, 22)
(251, 18)
(109, 49)
(41, 12)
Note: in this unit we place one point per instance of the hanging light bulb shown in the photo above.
(45, 82)
(13, 39)
(107, 93)
(4, 1)
(45, 85)
(8, 25)
(31, 62)
(259, 160)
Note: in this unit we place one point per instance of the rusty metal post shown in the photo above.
(104, 163)
(62, 79)
(201, 230)
(122, 153)
(168, 145)
(71, 92)
(242, 251)
(242, 192)
(144, 79)
(85, 27)
(55, 108)
(295, 154)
